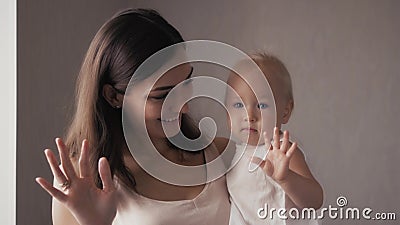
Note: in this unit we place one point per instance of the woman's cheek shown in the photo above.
(153, 110)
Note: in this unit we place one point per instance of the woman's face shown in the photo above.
(162, 108)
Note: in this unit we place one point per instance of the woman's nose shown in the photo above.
(178, 103)
(185, 108)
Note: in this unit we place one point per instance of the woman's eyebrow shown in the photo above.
(172, 86)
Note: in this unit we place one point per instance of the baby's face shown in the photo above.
(248, 116)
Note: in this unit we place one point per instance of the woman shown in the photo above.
(101, 183)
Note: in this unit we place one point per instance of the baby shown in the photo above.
(282, 179)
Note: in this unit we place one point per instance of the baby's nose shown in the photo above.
(251, 116)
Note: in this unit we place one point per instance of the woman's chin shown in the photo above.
(170, 129)
(166, 133)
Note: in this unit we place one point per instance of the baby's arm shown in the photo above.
(300, 185)
(287, 166)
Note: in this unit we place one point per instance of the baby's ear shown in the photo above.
(288, 111)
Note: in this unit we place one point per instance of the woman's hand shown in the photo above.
(89, 204)
(278, 158)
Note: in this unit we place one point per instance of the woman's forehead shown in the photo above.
(174, 76)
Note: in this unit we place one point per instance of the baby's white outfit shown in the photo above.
(253, 194)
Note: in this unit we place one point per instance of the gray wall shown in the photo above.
(343, 57)
(52, 40)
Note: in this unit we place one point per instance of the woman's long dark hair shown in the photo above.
(119, 47)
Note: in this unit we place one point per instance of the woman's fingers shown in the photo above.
(55, 169)
(105, 175)
(65, 160)
(84, 167)
(57, 194)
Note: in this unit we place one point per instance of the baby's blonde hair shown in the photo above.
(265, 61)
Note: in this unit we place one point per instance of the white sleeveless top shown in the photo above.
(211, 206)
(250, 191)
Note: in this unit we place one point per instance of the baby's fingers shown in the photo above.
(267, 167)
(268, 142)
(257, 161)
(291, 150)
(285, 141)
(276, 141)
(105, 175)
(57, 194)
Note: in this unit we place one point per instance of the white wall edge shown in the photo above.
(8, 90)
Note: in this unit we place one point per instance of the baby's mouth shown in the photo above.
(249, 129)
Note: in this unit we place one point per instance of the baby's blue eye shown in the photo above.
(238, 105)
(262, 106)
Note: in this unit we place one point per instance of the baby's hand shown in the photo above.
(276, 164)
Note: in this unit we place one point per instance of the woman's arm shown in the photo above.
(61, 215)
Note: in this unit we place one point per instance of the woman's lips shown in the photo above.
(171, 119)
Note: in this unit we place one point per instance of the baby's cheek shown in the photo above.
(268, 115)
(233, 118)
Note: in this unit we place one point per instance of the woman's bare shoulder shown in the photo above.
(223, 144)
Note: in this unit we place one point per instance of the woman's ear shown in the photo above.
(288, 111)
(112, 96)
